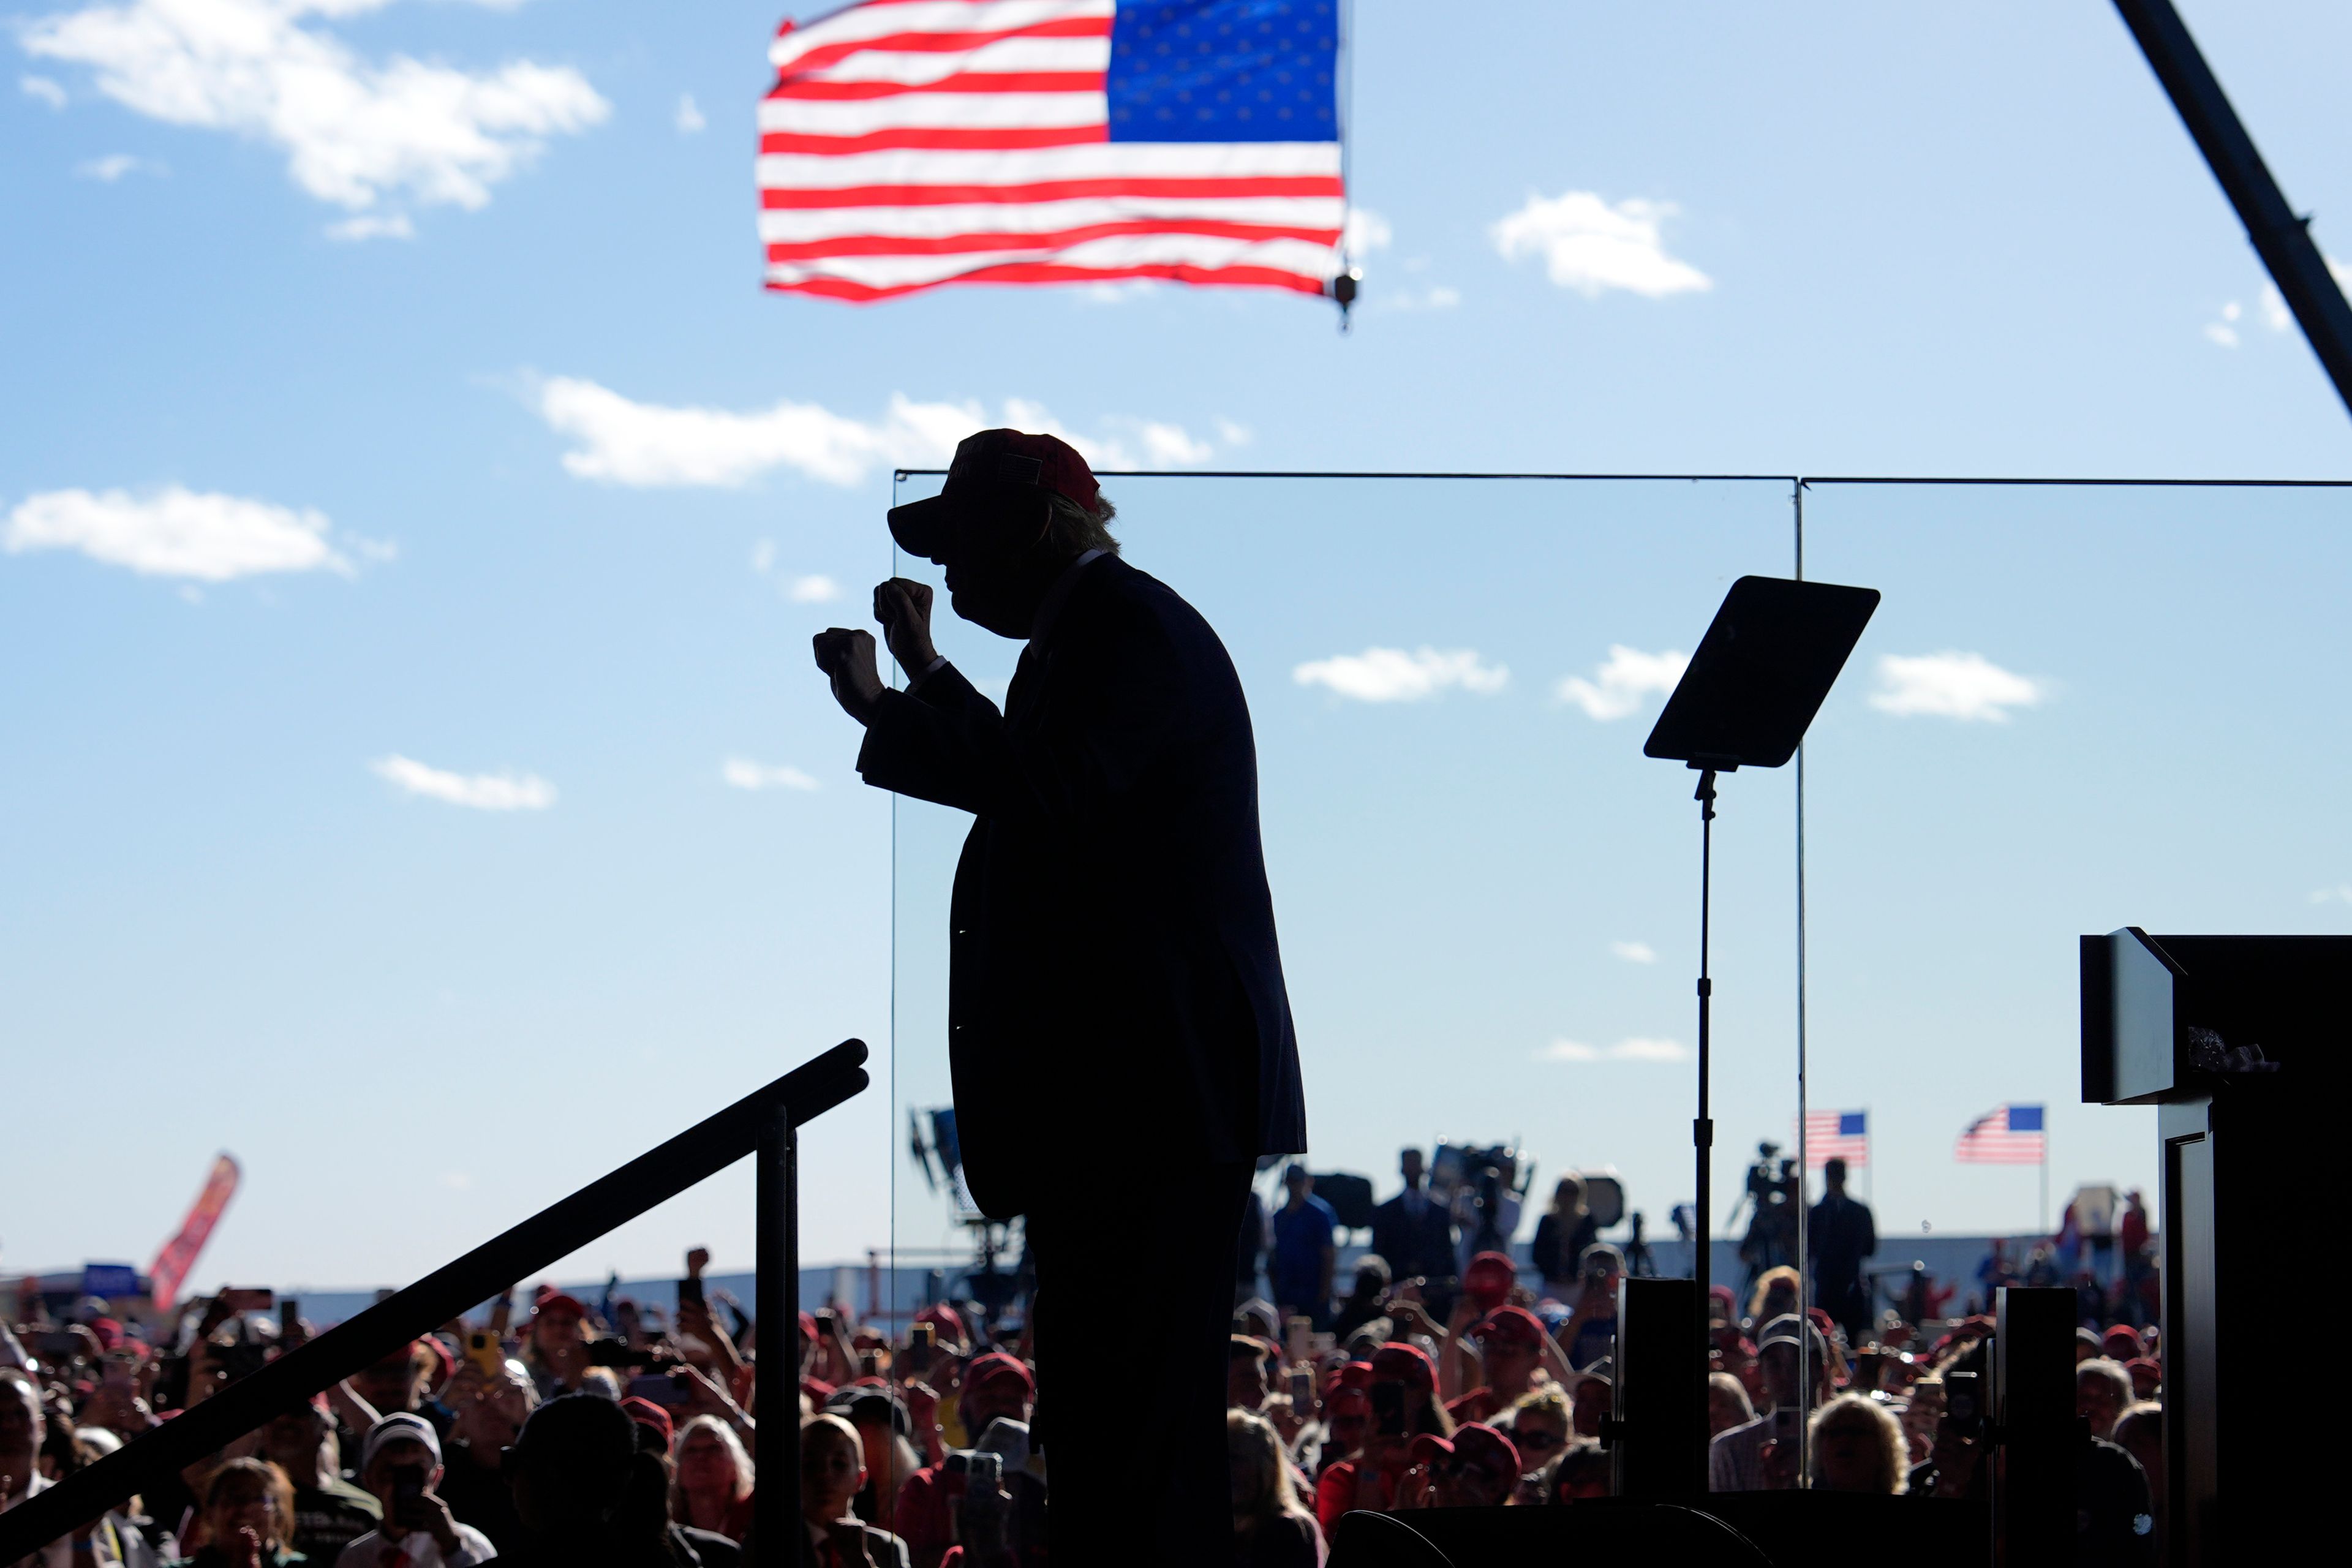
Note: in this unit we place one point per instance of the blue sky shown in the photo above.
(415, 516)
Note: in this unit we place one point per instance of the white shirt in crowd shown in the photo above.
(374, 1550)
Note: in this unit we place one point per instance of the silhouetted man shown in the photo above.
(1841, 1233)
(1413, 1231)
(1113, 978)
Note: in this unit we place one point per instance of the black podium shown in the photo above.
(2240, 1043)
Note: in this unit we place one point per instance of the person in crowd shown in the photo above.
(1271, 1530)
(884, 1431)
(2103, 1391)
(246, 1508)
(329, 1513)
(833, 1472)
(1562, 1236)
(1480, 1226)
(401, 1380)
(1859, 1446)
(1590, 1402)
(123, 1537)
(1584, 1471)
(556, 1348)
(1591, 1333)
(400, 1465)
(1306, 1250)
(1841, 1234)
(1414, 1232)
(570, 1473)
(1540, 1423)
(1366, 1299)
(487, 1412)
(1246, 1376)
(997, 1388)
(1512, 1347)
(1111, 917)
(1775, 1295)
(1726, 1405)
(715, 1478)
(1736, 1459)
(2139, 1432)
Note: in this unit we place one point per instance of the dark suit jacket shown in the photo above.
(1424, 1246)
(1114, 982)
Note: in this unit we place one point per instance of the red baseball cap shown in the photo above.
(1489, 1278)
(1512, 1326)
(945, 1319)
(2120, 1341)
(551, 1299)
(1400, 1362)
(996, 1365)
(808, 1325)
(991, 468)
(1427, 1448)
(1480, 1445)
(651, 1417)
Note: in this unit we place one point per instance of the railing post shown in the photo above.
(776, 1258)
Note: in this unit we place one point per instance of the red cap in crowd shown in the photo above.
(985, 1369)
(808, 1325)
(551, 1299)
(1489, 1278)
(1348, 1374)
(945, 1319)
(1512, 1326)
(1427, 1448)
(445, 1365)
(2146, 1375)
(108, 1331)
(1480, 1445)
(651, 1417)
(1398, 1363)
(2121, 1342)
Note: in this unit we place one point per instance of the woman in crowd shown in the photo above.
(1270, 1529)
(1540, 1425)
(1728, 1404)
(248, 1514)
(1858, 1446)
(1775, 1295)
(715, 1478)
(1563, 1236)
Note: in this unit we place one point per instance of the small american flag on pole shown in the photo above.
(2009, 1136)
(909, 143)
(1836, 1135)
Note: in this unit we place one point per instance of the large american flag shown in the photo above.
(909, 143)
(1836, 1135)
(2009, 1136)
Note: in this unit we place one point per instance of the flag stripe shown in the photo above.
(1988, 1140)
(1050, 272)
(1829, 1137)
(1307, 218)
(908, 143)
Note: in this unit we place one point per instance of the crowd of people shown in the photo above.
(557, 1432)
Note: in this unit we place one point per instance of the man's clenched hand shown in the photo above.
(847, 659)
(903, 607)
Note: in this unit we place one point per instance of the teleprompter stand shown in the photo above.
(1759, 675)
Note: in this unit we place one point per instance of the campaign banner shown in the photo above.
(172, 1266)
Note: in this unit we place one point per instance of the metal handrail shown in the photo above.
(762, 1122)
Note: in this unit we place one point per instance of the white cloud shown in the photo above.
(1392, 675)
(1635, 1048)
(42, 87)
(372, 226)
(2276, 315)
(618, 440)
(2225, 331)
(1953, 685)
(744, 773)
(482, 791)
(1590, 246)
(1365, 231)
(114, 165)
(1618, 684)
(355, 132)
(1634, 951)
(763, 556)
(1234, 434)
(688, 119)
(816, 588)
(176, 533)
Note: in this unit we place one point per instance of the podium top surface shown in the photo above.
(1759, 675)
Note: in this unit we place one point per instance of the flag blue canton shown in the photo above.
(1850, 1124)
(1224, 70)
(2025, 1119)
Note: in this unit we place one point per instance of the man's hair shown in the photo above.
(1077, 529)
(2112, 1374)
(1833, 1169)
(1372, 1268)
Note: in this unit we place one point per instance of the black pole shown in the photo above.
(2281, 238)
(776, 1506)
(1702, 1127)
(358, 1342)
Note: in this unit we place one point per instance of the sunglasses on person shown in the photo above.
(1530, 1442)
